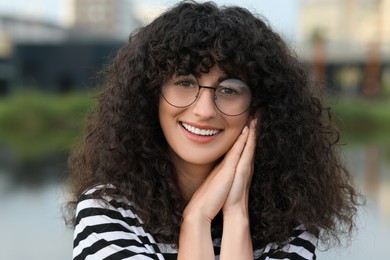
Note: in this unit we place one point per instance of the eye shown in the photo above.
(231, 87)
(227, 90)
(186, 81)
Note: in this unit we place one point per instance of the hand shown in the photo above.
(236, 239)
(211, 196)
(237, 200)
(222, 188)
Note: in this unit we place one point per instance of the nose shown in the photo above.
(204, 106)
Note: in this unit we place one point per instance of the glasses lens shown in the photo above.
(232, 96)
(181, 91)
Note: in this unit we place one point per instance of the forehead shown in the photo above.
(212, 78)
(215, 74)
(203, 59)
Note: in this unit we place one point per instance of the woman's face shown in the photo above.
(200, 134)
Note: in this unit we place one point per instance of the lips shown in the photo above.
(199, 131)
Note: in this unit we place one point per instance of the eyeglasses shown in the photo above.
(232, 97)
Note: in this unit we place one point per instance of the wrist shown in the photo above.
(196, 221)
(195, 238)
(236, 213)
(237, 220)
(236, 237)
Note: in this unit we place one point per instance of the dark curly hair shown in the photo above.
(298, 176)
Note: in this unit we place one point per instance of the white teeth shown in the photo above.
(198, 131)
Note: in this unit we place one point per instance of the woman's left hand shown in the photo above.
(236, 238)
(237, 199)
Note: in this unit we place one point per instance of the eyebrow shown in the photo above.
(232, 77)
(220, 79)
(223, 77)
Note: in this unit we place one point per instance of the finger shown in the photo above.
(251, 142)
(229, 164)
(246, 158)
(233, 155)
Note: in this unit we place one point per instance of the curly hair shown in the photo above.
(298, 176)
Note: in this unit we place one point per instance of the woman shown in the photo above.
(206, 141)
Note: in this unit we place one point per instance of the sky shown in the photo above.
(282, 14)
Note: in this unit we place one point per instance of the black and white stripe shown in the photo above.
(112, 230)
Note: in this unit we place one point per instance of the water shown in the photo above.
(31, 224)
(370, 166)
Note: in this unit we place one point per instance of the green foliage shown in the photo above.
(363, 120)
(34, 125)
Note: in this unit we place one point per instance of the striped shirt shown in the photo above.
(113, 230)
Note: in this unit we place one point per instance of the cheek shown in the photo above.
(236, 124)
(168, 119)
(163, 114)
(235, 127)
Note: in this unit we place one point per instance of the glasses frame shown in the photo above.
(215, 98)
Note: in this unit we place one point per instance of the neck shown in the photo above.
(191, 176)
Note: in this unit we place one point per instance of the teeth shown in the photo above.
(198, 131)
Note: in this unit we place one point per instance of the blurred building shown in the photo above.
(42, 55)
(37, 53)
(348, 26)
(107, 18)
(30, 30)
(348, 40)
(17, 31)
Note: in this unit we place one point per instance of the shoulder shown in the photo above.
(109, 227)
(300, 246)
(92, 205)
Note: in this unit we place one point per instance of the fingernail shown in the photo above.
(255, 122)
(244, 129)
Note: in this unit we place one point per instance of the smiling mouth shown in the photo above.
(197, 131)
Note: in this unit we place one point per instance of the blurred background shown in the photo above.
(50, 51)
